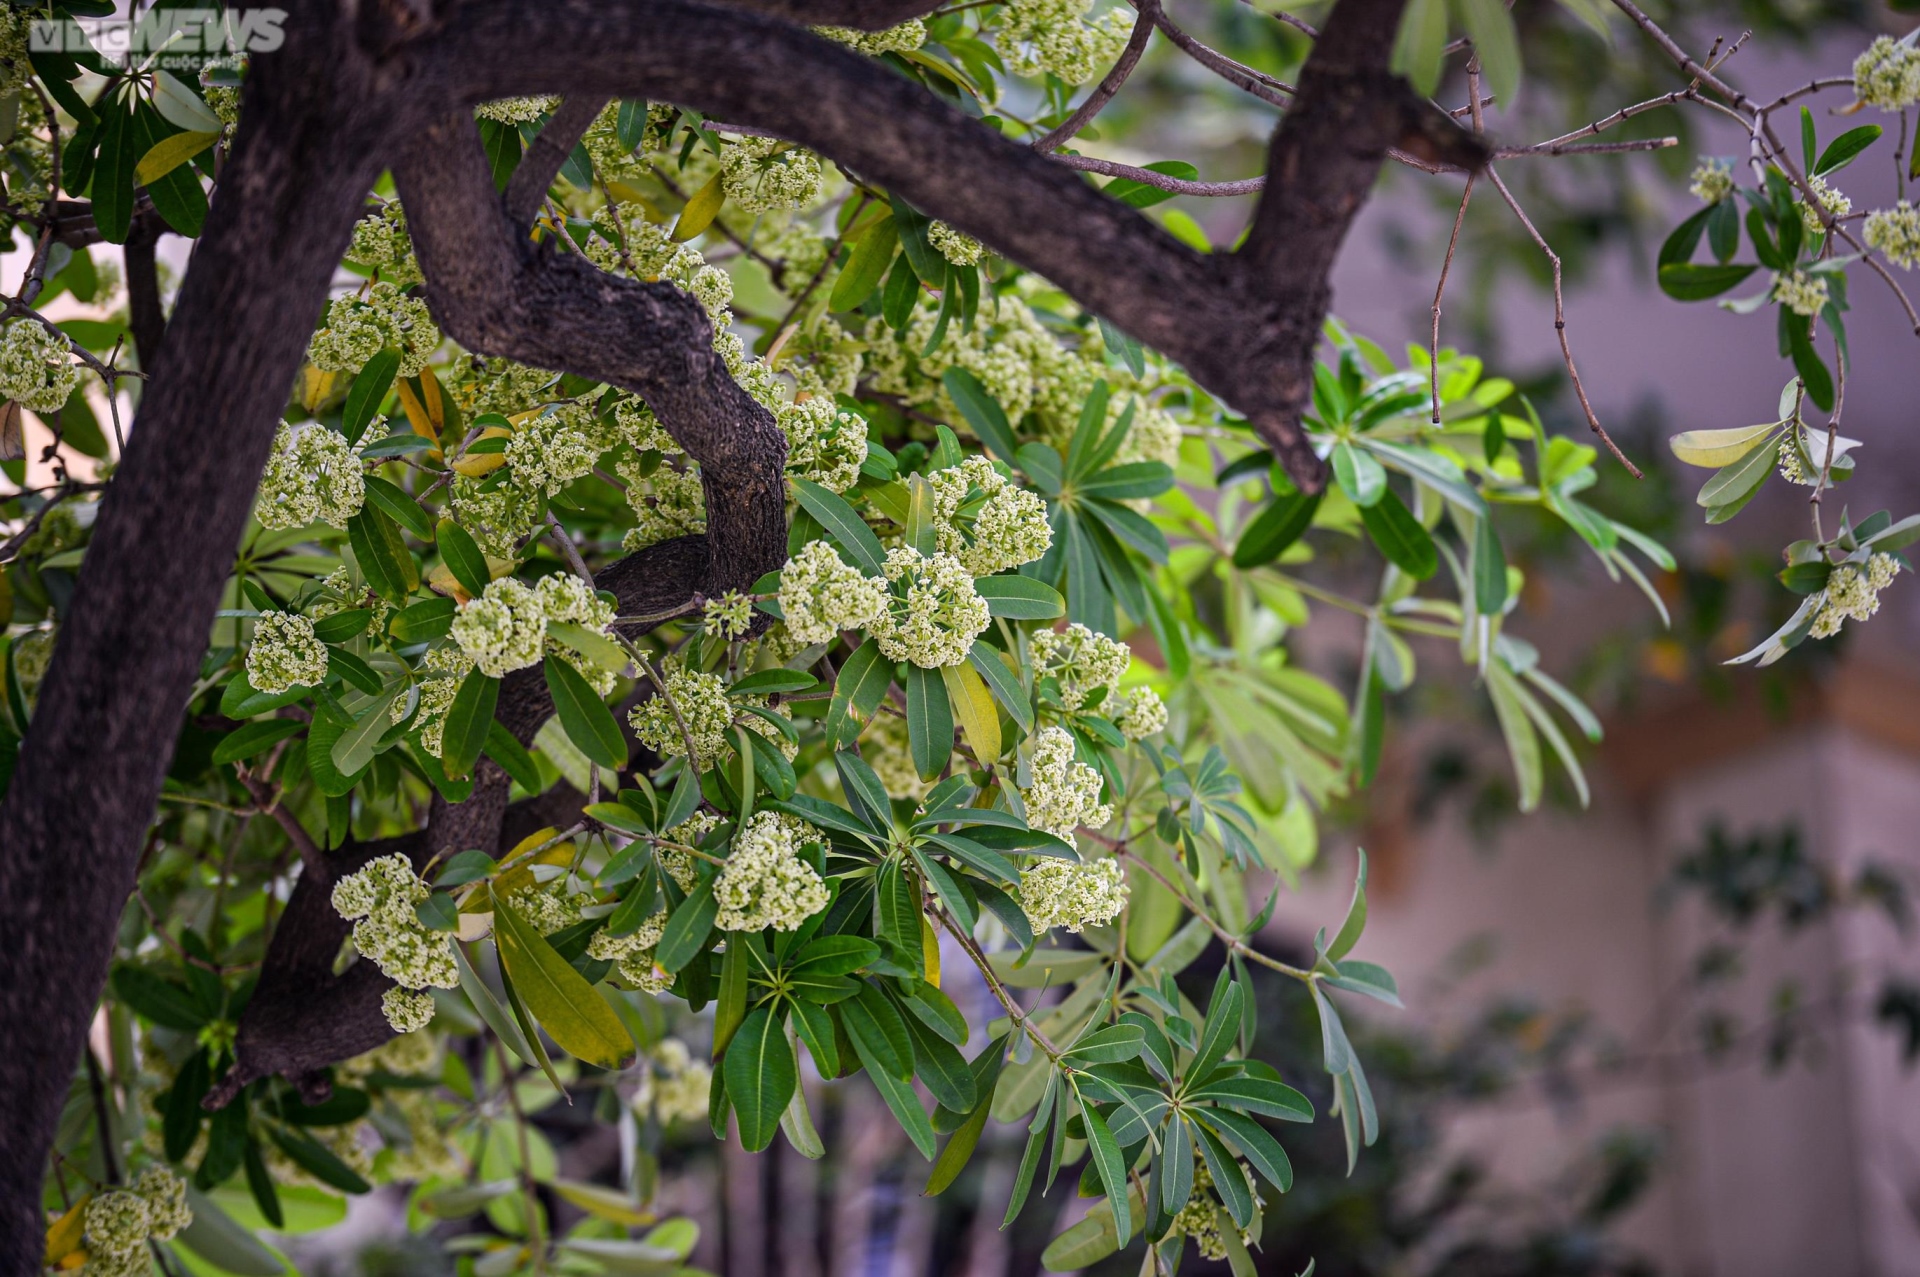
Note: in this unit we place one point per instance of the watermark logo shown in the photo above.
(174, 35)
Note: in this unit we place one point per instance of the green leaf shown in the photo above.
(1489, 569)
(1844, 148)
(1229, 1181)
(576, 1017)
(687, 928)
(120, 150)
(1523, 744)
(1000, 681)
(383, 555)
(1275, 528)
(770, 681)
(169, 153)
(1356, 919)
(1717, 448)
(929, 721)
(982, 411)
(843, 524)
(1419, 48)
(1359, 474)
(1735, 483)
(1020, 598)
(469, 719)
(1686, 282)
(857, 691)
(317, 1160)
(176, 193)
(1259, 1095)
(255, 738)
(1400, 537)
(879, 1034)
(368, 391)
(1111, 1168)
(866, 265)
(942, 1069)
(497, 1018)
(761, 1076)
(1110, 1045)
(512, 756)
(1254, 1142)
(912, 225)
(1496, 42)
(463, 558)
(589, 724)
(1807, 362)
(358, 743)
(158, 998)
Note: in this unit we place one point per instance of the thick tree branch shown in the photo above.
(549, 151)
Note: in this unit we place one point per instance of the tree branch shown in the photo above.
(549, 151)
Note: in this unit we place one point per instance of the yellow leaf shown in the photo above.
(436, 405)
(64, 1234)
(473, 465)
(627, 193)
(1716, 448)
(974, 707)
(169, 153)
(442, 581)
(576, 1017)
(315, 387)
(700, 210)
(930, 951)
(417, 415)
(603, 1202)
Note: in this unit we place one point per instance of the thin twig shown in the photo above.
(1110, 85)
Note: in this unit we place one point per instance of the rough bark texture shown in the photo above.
(354, 80)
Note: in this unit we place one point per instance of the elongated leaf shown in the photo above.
(929, 721)
(1497, 43)
(982, 411)
(973, 706)
(700, 210)
(1844, 148)
(574, 1016)
(589, 724)
(469, 720)
(463, 558)
(1274, 529)
(761, 1076)
(1686, 282)
(512, 756)
(1717, 448)
(1111, 1167)
(1739, 480)
(843, 524)
(1399, 536)
(1020, 598)
(255, 738)
(368, 391)
(857, 691)
(872, 253)
(383, 555)
(687, 929)
(1255, 1144)
(169, 153)
(1489, 569)
(1001, 682)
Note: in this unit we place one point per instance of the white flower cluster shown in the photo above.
(1836, 204)
(1711, 180)
(1138, 713)
(666, 503)
(36, 366)
(1895, 233)
(1080, 661)
(986, 522)
(515, 110)
(1199, 1219)
(632, 954)
(380, 242)
(765, 883)
(933, 612)
(312, 475)
(763, 173)
(32, 657)
(821, 594)
(650, 251)
(550, 907)
(505, 628)
(119, 1223)
(1800, 292)
(905, 38)
(1064, 793)
(824, 444)
(379, 901)
(498, 519)
(639, 428)
(407, 1010)
(676, 1087)
(730, 616)
(549, 452)
(285, 653)
(444, 669)
(956, 246)
(703, 704)
(1853, 593)
(224, 99)
(1887, 75)
(1066, 893)
(355, 331)
(1039, 36)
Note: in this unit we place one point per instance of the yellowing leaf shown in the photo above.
(700, 210)
(315, 386)
(627, 193)
(169, 153)
(417, 415)
(435, 403)
(973, 706)
(64, 1234)
(603, 1202)
(473, 464)
(574, 1015)
(930, 951)
(441, 581)
(1716, 448)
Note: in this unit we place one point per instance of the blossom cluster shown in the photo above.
(1138, 713)
(1199, 1219)
(1895, 234)
(1887, 74)
(515, 110)
(441, 672)
(379, 900)
(380, 243)
(36, 365)
(986, 522)
(905, 38)
(821, 594)
(286, 653)
(1054, 36)
(355, 330)
(676, 1087)
(1064, 793)
(765, 882)
(551, 450)
(1835, 202)
(666, 502)
(933, 611)
(1080, 661)
(505, 628)
(1800, 292)
(763, 173)
(119, 1223)
(824, 443)
(1067, 893)
(313, 475)
(632, 954)
(702, 704)
(956, 246)
(1853, 593)
(1711, 180)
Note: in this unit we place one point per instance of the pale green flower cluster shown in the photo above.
(36, 366)
(285, 653)
(827, 357)
(986, 522)
(1836, 204)
(1138, 712)
(1895, 233)
(1041, 36)
(515, 110)
(632, 954)
(824, 443)
(1080, 661)
(905, 38)
(549, 907)
(1066, 893)
(380, 243)
(652, 254)
(667, 503)
(1853, 593)
(1199, 1219)
(498, 519)
(441, 675)
(1711, 180)
(821, 595)
(1800, 292)
(505, 628)
(676, 1087)
(354, 331)
(500, 385)
(956, 246)
(888, 751)
(379, 900)
(763, 173)
(765, 883)
(730, 616)
(933, 611)
(550, 451)
(1063, 793)
(407, 1010)
(119, 1223)
(1887, 75)
(313, 475)
(222, 99)
(32, 656)
(703, 704)
(639, 428)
